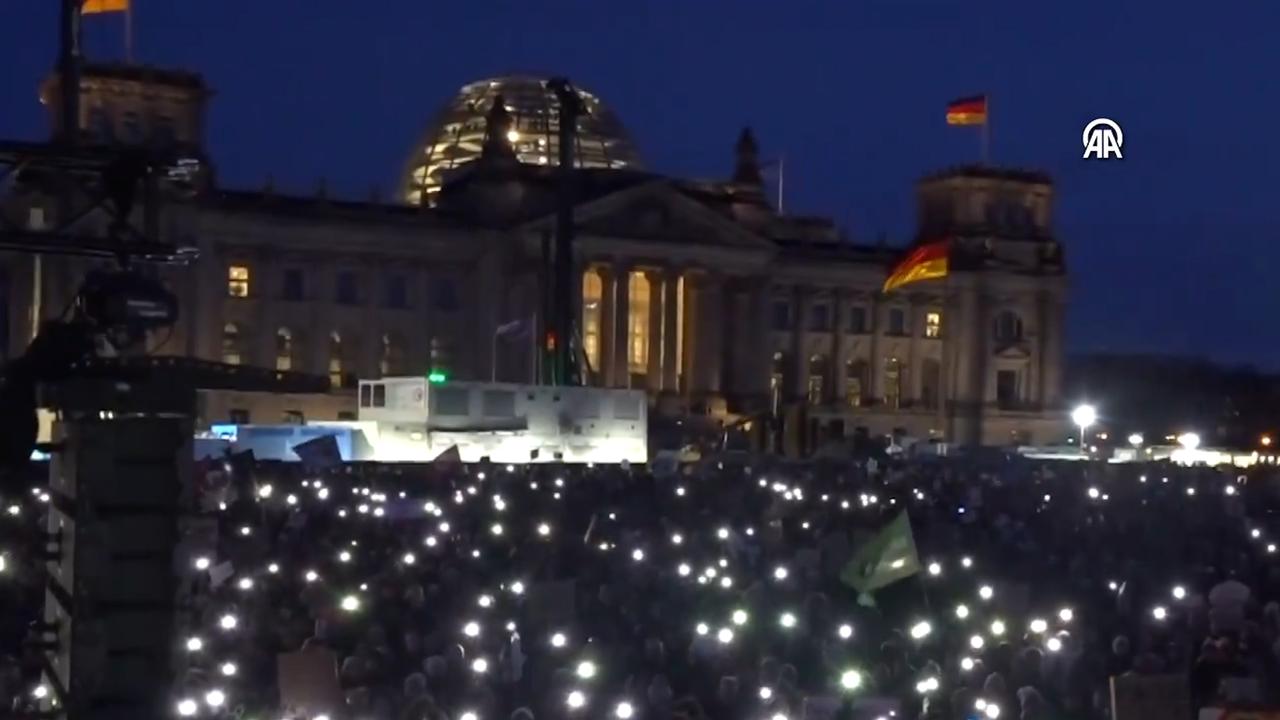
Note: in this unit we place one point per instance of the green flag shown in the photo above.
(885, 559)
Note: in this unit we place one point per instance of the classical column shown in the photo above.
(801, 301)
(653, 376)
(670, 330)
(875, 365)
(836, 379)
(622, 329)
(1051, 378)
(915, 326)
(606, 368)
(707, 338)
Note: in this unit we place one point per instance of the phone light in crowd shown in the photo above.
(845, 631)
(723, 533)
(350, 603)
(544, 529)
(1039, 626)
(966, 663)
(1179, 592)
(194, 644)
(962, 611)
(637, 555)
(408, 559)
(780, 573)
(986, 592)
(850, 680)
(468, 715)
(228, 622)
(1136, 440)
(1255, 533)
(1066, 615)
(927, 685)
(726, 582)
(787, 620)
(740, 617)
(1189, 440)
(228, 669)
(245, 584)
(683, 570)
(187, 707)
(1053, 644)
(624, 710)
(485, 601)
(702, 628)
(724, 636)
(677, 539)
(921, 630)
(766, 692)
(1113, 586)
(471, 629)
(1159, 613)
(1231, 490)
(291, 499)
(1271, 547)
(202, 563)
(496, 529)
(311, 576)
(558, 640)
(997, 627)
(517, 588)
(215, 698)
(966, 562)
(576, 700)
(480, 666)
(977, 642)
(586, 670)
(935, 569)
(265, 491)
(1265, 441)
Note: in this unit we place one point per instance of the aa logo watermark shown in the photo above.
(1102, 139)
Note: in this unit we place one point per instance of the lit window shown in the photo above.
(893, 383)
(933, 324)
(855, 382)
(392, 356)
(238, 281)
(638, 322)
(232, 343)
(335, 359)
(592, 297)
(813, 389)
(284, 349)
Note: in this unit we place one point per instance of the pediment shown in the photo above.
(660, 213)
(1014, 351)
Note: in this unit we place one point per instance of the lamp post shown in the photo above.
(1189, 440)
(1084, 416)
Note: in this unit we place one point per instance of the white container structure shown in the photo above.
(412, 419)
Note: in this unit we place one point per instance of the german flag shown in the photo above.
(967, 111)
(926, 262)
(94, 7)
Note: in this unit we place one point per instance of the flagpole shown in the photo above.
(782, 164)
(128, 32)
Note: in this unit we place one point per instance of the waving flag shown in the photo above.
(967, 111)
(94, 7)
(885, 559)
(926, 262)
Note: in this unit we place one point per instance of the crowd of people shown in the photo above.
(470, 592)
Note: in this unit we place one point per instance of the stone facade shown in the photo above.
(698, 292)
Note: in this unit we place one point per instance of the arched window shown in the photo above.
(284, 349)
(855, 383)
(814, 382)
(231, 344)
(335, 359)
(893, 383)
(392, 362)
(638, 324)
(592, 312)
(1008, 327)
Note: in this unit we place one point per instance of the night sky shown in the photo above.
(1172, 249)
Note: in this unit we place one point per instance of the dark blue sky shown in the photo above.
(1172, 249)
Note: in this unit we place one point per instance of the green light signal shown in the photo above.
(436, 378)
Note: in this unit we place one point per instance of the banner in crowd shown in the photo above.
(1141, 697)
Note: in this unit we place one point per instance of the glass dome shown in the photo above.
(457, 135)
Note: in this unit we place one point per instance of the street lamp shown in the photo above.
(1189, 440)
(1136, 440)
(1265, 440)
(1084, 416)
